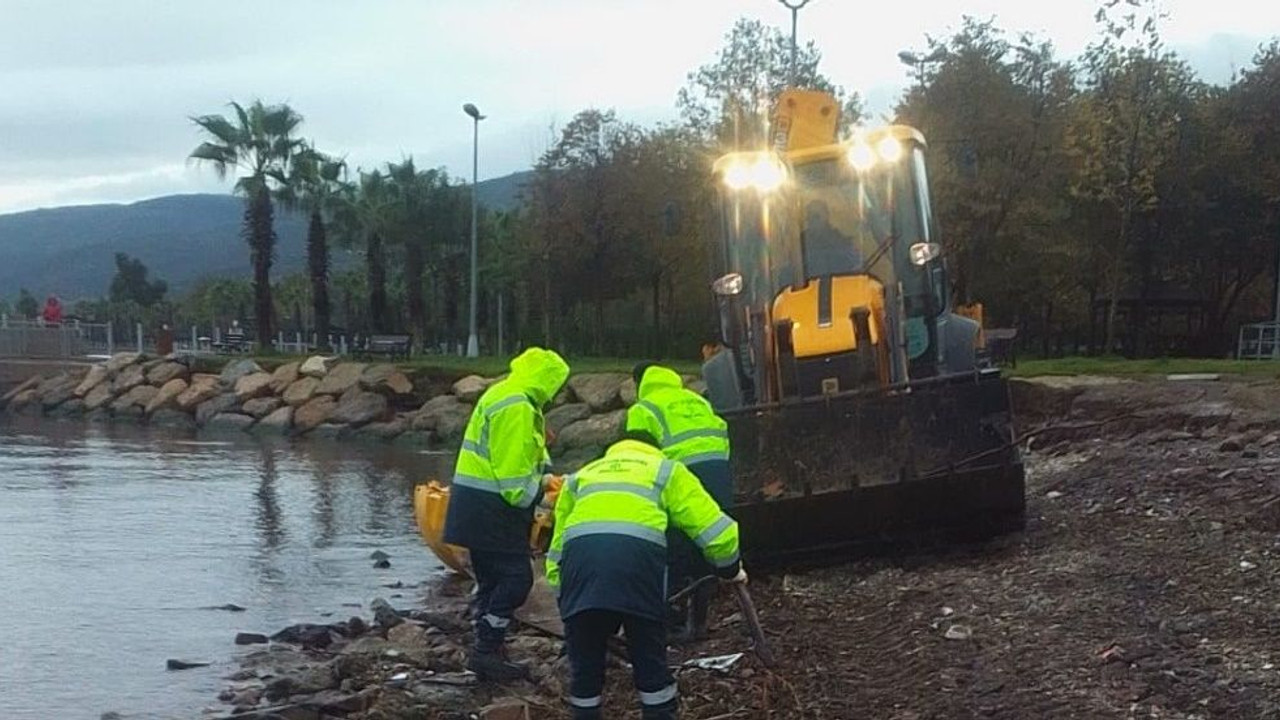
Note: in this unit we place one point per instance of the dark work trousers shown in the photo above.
(686, 559)
(587, 635)
(503, 582)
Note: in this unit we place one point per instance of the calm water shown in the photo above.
(112, 540)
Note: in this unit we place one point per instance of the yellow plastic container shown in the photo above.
(431, 504)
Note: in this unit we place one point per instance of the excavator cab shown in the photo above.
(856, 406)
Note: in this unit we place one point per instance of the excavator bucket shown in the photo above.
(835, 473)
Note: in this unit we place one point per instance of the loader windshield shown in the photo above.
(858, 222)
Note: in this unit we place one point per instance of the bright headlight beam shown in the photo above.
(763, 175)
(861, 157)
(889, 150)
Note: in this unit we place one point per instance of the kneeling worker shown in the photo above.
(690, 431)
(497, 483)
(608, 561)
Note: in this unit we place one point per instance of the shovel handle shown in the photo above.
(753, 625)
(691, 589)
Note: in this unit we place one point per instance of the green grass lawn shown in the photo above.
(1158, 366)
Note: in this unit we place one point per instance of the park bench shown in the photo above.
(389, 346)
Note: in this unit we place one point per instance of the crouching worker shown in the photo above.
(608, 561)
(690, 431)
(497, 483)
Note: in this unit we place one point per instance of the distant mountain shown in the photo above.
(181, 238)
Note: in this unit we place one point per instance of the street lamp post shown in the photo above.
(473, 343)
(794, 6)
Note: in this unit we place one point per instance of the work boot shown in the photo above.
(594, 713)
(493, 667)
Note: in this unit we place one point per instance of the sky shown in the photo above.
(96, 95)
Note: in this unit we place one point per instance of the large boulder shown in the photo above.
(389, 430)
(385, 379)
(137, 397)
(201, 388)
(228, 422)
(444, 414)
(128, 379)
(317, 366)
(122, 360)
(167, 396)
(627, 392)
(284, 376)
(237, 369)
(261, 407)
(341, 378)
(314, 413)
(470, 388)
(30, 383)
(98, 397)
(225, 402)
(170, 418)
(598, 430)
(253, 385)
(278, 421)
(602, 391)
(97, 375)
(560, 418)
(70, 408)
(301, 391)
(28, 399)
(358, 407)
(58, 391)
(166, 371)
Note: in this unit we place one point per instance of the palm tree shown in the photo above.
(258, 142)
(362, 220)
(317, 185)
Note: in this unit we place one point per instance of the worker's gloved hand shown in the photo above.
(551, 485)
(740, 578)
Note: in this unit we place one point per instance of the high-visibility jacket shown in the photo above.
(609, 548)
(683, 422)
(498, 476)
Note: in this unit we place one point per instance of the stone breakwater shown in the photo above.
(321, 397)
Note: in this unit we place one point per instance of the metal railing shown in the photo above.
(36, 339)
(1259, 341)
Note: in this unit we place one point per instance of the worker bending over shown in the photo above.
(608, 559)
(689, 431)
(497, 482)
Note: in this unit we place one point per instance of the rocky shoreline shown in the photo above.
(321, 397)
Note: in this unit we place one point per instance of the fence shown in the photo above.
(75, 339)
(34, 339)
(1259, 341)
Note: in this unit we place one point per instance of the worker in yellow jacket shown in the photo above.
(689, 430)
(497, 483)
(607, 563)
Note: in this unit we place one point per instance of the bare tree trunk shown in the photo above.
(375, 258)
(318, 268)
(413, 291)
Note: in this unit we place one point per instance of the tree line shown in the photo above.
(1111, 203)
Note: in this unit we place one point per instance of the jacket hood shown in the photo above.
(658, 377)
(539, 373)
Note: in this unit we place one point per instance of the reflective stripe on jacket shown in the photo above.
(682, 421)
(633, 492)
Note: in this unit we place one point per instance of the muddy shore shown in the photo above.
(1145, 585)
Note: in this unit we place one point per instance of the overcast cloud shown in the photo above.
(94, 96)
